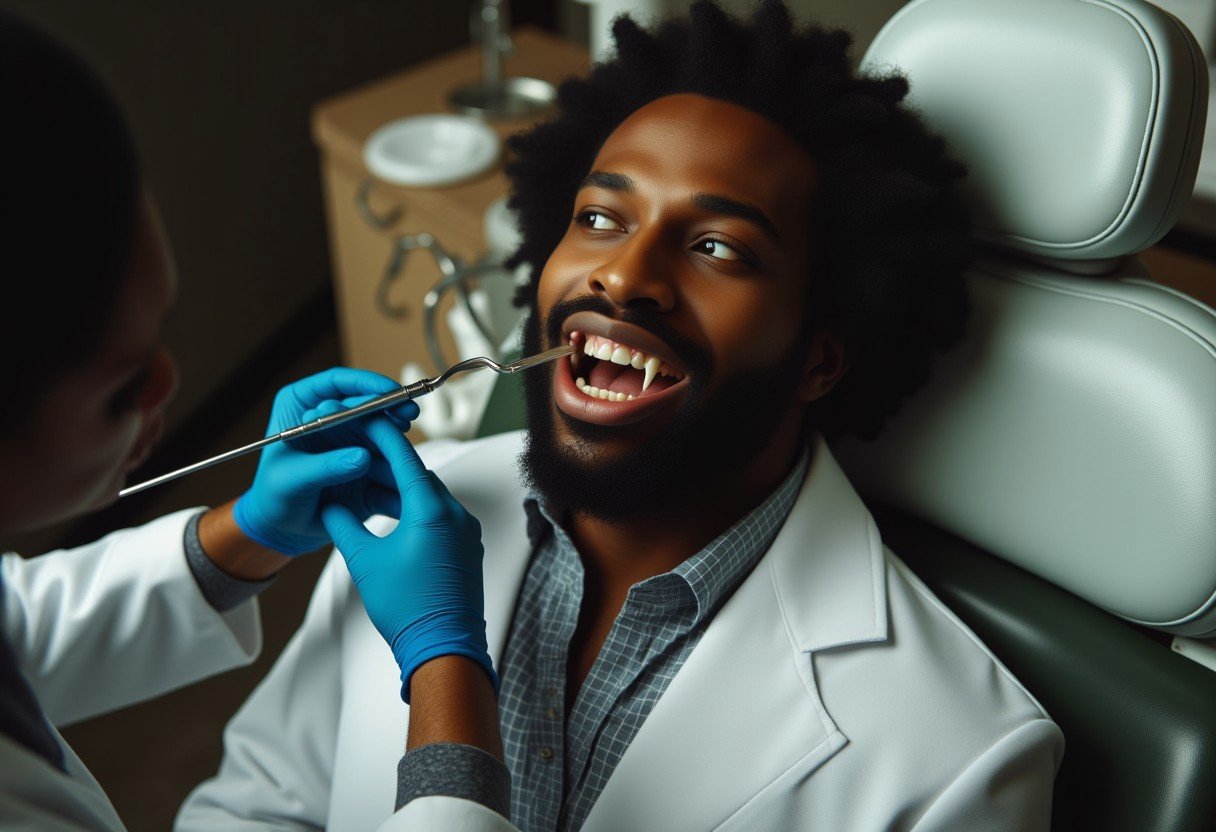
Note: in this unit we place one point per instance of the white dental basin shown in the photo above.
(431, 150)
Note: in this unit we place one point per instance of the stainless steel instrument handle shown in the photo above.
(410, 391)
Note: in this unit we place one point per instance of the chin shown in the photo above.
(58, 497)
(107, 498)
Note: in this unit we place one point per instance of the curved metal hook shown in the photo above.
(363, 204)
(396, 262)
(430, 302)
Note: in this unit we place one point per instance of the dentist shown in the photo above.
(145, 610)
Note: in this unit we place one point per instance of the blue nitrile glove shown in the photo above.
(282, 509)
(421, 584)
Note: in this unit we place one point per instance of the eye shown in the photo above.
(720, 251)
(597, 221)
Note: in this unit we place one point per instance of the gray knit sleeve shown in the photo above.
(454, 770)
(222, 591)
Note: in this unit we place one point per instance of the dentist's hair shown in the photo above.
(891, 235)
(69, 203)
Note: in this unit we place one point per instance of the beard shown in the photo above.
(714, 435)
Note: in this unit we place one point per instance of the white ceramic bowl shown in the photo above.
(431, 150)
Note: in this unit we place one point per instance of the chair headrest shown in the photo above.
(1072, 432)
(1081, 120)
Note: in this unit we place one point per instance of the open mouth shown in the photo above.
(619, 372)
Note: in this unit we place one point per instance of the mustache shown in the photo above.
(697, 359)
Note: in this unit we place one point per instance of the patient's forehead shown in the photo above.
(688, 143)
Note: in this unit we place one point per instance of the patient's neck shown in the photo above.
(620, 553)
(617, 555)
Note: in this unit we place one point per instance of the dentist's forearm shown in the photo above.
(232, 551)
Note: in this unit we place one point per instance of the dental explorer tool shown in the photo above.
(409, 391)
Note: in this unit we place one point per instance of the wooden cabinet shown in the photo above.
(454, 215)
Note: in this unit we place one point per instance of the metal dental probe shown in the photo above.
(409, 391)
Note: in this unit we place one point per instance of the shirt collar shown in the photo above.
(713, 572)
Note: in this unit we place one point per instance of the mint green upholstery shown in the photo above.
(505, 408)
(1071, 431)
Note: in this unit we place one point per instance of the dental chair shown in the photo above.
(1055, 483)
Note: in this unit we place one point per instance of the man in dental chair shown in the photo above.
(690, 620)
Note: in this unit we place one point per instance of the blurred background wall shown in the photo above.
(861, 17)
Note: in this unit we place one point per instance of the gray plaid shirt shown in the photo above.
(559, 761)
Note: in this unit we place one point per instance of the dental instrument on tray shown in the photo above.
(409, 391)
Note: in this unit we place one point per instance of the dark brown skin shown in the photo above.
(651, 244)
(232, 551)
(451, 700)
(77, 448)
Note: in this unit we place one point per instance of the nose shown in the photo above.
(637, 274)
(162, 383)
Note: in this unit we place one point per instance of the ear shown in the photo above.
(827, 360)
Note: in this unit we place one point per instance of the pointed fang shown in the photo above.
(652, 368)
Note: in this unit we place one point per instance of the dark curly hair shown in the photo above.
(64, 136)
(890, 233)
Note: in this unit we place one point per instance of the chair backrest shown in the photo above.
(1070, 435)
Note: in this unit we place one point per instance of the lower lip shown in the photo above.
(577, 404)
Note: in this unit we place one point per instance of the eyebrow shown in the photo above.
(713, 203)
(607, 181)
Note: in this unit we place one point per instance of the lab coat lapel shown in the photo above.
(506, 561)
(745, 709)
(479, 478)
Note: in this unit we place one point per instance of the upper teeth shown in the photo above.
(606, 350)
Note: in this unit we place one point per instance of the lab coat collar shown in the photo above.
(827, 561)
(828, 566)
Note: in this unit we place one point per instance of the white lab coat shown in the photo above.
(94, 629)
(832, 691)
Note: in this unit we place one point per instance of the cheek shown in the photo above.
(566, 270)
(748, 324)
(161, 384)
(78, 463)
(547, 288)
(103, 445)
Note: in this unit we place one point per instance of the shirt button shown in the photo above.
(551, 693)
(551, 713)
(546, 753)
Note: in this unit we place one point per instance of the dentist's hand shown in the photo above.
(421, 584)
(282, 509)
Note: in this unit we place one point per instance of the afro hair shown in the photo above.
(892, 235)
